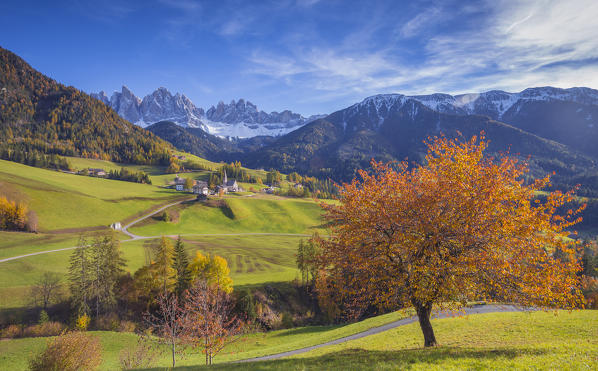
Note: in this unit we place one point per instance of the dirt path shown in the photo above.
(478, 309)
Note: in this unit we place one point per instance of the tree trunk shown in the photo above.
(173, 353)
(423, 313)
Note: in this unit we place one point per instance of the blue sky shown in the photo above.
(309, 56)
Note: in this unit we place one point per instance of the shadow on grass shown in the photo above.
(358, 359)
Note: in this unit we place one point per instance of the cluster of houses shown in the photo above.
(201, 188)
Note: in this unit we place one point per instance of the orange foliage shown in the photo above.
(462, 227)
(13, 215)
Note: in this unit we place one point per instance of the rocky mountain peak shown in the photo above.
(239, 118)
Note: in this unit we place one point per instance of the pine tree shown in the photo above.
(108, 266)
(180, 263)
(80, 276)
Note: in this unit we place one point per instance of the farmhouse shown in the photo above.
(179, 183)
(96, 172)
(201, 188)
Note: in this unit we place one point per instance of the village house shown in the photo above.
(201, 188)
(179, 183)
(96, 172)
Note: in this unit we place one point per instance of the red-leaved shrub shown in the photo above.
(71, 351)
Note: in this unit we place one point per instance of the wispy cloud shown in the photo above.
(516, 44)
(417, 23)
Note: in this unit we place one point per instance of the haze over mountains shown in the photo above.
(239, 119)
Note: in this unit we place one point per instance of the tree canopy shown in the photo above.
(462, 227)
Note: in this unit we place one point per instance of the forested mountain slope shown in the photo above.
(41, 116)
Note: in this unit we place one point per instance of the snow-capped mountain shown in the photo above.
(496, 104)
(499, 104)
(237, 119)
(159, 106)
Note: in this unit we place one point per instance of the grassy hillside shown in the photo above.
(486, 341)
(64, 201)
(240, 214)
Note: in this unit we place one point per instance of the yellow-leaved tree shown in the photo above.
(463, 226)
(213, 269)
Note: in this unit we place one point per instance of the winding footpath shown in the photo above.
(476, 309)
(135, 237)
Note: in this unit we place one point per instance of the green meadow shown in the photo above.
(67, 201)
(498, 341)
(241, 214)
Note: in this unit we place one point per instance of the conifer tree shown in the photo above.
(108, 265)
(180, 263)
(80, 276)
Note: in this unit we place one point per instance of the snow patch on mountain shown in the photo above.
(239, 119)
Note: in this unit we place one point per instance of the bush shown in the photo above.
(44, 329)
(287, 320)
(71, 351)
(43, 317)
(11, 332)
(82, 322)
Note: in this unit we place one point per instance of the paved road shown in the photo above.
(376, 330)
(135, 237)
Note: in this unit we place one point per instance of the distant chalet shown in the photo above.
(96, 172)
(201, 188)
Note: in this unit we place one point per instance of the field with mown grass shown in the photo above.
(252, 260)
(498, 341)
(241, 214)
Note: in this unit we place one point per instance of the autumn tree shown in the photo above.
(161, 266)
(13, 215)
(462, 226)
(210, 323)
(213, 269)
(167, 323)
(46, 290)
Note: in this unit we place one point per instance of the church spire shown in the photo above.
(225, 178)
